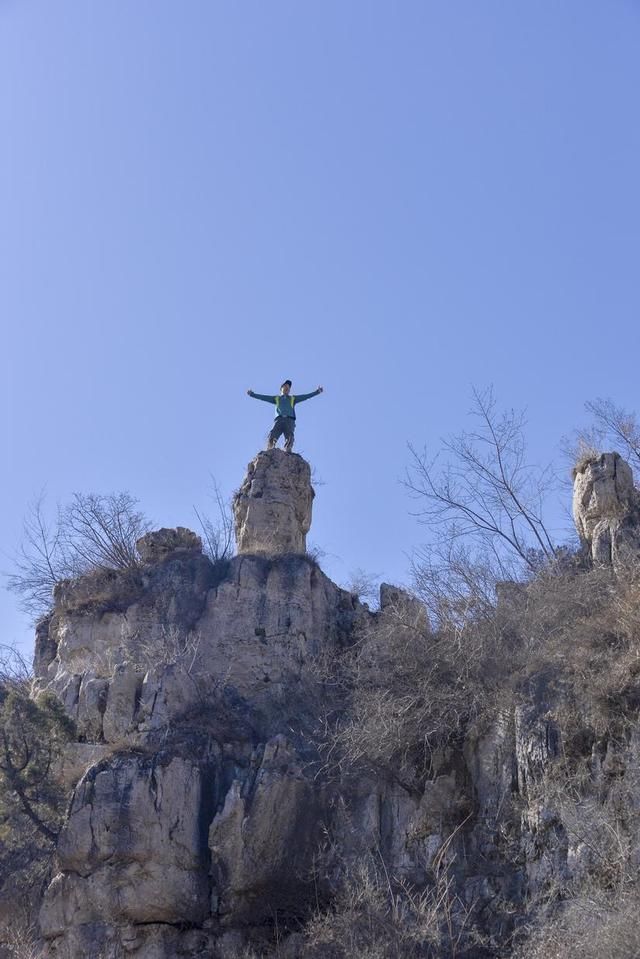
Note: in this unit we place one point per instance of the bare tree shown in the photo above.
(217, 534)
(101, 532)
(364, 585)
(41, 562)
(93, 531)
(15, 671)
(485, 492)
(613, 426)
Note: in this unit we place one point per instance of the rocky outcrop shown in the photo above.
(133, 848)
(263, 839)
(155, 546)
(606, 509)
(195, 688)
(202, 812)
(272, 508)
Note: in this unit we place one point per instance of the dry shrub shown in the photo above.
(32, 733)
(92, 532)
(566, 642)
(589, 925)
(19, 937)
(411, 691)
(375, 916)
(582, 628)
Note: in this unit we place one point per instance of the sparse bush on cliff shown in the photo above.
(92, 532)
(568, 637)
(375, 916)
(613, 427)
(411, 690)
(588, 924)
(32, 734)
(217, 534)
(582, 628)
(32, 804)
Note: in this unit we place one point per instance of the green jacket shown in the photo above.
(285, 405)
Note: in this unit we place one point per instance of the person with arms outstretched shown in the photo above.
(285, 421)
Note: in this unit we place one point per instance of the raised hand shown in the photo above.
(320, 389)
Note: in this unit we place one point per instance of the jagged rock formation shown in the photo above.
(201, 808)
(272, 508)
(194, 689)
(606, 509)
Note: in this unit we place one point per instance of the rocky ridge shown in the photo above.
(200, 805)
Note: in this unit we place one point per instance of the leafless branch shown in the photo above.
(485, 492)
(91, 532)
(217, 535)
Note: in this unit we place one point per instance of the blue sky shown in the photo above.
(395, 201)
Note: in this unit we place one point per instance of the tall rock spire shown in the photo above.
(272, 508)
(606, 509)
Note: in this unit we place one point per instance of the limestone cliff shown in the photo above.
(194, 691)
(202, 812)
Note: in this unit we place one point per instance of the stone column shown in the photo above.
(606, 509)
(272, 508)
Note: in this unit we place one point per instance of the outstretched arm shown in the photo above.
(261, 396)
(307, 396)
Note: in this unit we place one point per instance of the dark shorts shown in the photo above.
(282, 424)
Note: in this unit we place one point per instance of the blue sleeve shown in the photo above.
(306, 396)
(263, 396)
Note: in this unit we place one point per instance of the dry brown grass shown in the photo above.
(590, 924)
(411, 692)
(378, 916)
(583, 630)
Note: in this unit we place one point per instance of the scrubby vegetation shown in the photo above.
(90, 534)
(33, 731)
(566, 640)
(514, 625)
(95, 535)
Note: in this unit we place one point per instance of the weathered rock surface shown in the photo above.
(264, 838)
(202, 812)
(272, 508)
(606, 509)
(155, 546)
(194, 687)
(132, 849)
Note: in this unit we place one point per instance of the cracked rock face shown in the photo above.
(132, 849)
(606, 509)
(272, 508)
(194, 811)
(200, 807)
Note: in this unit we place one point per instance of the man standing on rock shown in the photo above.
(285, 421)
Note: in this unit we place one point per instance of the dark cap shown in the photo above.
(286, 383)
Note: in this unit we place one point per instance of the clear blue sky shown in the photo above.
(394, 200)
